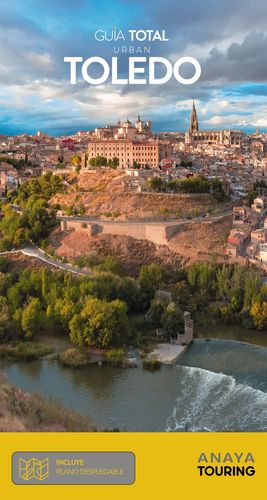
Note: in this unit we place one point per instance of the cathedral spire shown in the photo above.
(193, 120)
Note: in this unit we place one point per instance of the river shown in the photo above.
(233, 332)
(216, 385)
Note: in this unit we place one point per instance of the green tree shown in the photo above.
(32, 319)
(110, 264)
(195, 184)
(4, 318)
(100, 324)
(98, 162)
(76, 327)
(114, 162)
(64, 310)
(252, 287)
(201, 277)
(150, 277)
(217, 189)
(172, 319)
(155, 183)
(223, 281)
(4, 283)
(35, 222)
(76, 160)
(259, 315)
(156, 311)
(4, 264)
(181, 293)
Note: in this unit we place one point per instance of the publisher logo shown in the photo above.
(235, 464)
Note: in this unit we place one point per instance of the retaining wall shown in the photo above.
(158, 233)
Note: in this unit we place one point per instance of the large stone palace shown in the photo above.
(225, 137)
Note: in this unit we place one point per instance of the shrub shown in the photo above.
(74, 358)
(4, 264)
(116, 358)
(164, 211)
(86, 261)
(151, 364)
(41, 415)
(110, 264)
(24, 351)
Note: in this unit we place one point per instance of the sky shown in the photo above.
(228, 38)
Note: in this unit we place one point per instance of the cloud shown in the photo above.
(260, 122)
(34, 80)
(240, 62)
(208, 21)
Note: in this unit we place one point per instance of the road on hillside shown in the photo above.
(211, 218)
(33, 251)
(81, 218)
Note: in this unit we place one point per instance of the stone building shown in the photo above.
(187, 337)
(125, 130)
(224, 137)
(9, 176)
(143, 127)
(129, 152)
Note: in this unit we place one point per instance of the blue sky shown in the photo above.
(229, 38)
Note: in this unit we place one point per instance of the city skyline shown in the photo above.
(155, 131)
(35, 92)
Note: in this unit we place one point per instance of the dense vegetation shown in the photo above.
(98, 264)
(195, 184)
(32, 224)
(92, 311)
(224, 293)
(102, 161)
(107, 310)
(42, 188)
(35, 220)
(24, 351)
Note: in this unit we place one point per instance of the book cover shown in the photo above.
(133, 248)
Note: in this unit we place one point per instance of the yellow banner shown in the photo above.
(205, 465)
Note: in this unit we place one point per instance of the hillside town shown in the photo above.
(235, 159)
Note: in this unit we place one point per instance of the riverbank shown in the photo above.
(24, 412)
(167, 353)
(212, 331)
(24, 351)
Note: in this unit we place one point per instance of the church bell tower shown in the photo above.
(193, 120)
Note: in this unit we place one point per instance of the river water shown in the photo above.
(216, 385)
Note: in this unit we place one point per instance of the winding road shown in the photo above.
(32, 250)
(38, 253)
